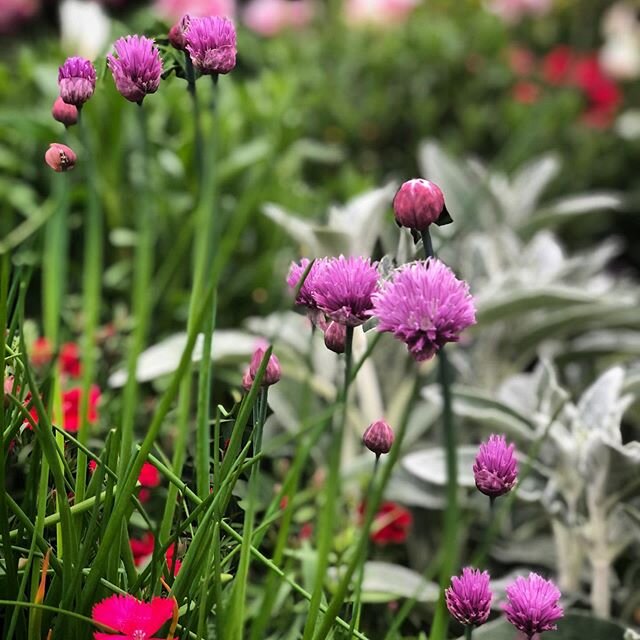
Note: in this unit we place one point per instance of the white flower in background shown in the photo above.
(84, 28)
(620, 54)
(628, 125)
(378, 12)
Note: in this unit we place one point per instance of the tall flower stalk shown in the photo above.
(327, 515)
(91, 293)
(210, 40)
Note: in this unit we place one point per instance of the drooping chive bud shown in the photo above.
(418, 204)
(272, 372)
(378, 437)
(335, 337)
(65, 113)
(176, 33)
(60, 157)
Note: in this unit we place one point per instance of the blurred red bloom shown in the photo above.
(558, 64)
(41, 352)
(149, 478)
(526, 92)
(391, 524)
(598, 87)
(71, 407)
(70, 359)
(142, 548)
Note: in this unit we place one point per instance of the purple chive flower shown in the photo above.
(344, 287)
(76, 81)
(305, 295)
(425, 306)
(532, 605)
(495, 468)
(137, 68)
(469, 597)
(378, 437)
(211, 43)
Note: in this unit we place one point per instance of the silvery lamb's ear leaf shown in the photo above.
(544, 256)
(384, 581)
(537, 551)
(501, 306)
(410, 491)
(571, 209)
(331, 242)
(163, 358)
(386, 267)
(630, 634)
(457, 182)
(361, 219)
(429, 465)
(299, 230)
(571, 627)
(600, 405)
(530, 181)
(619, 343)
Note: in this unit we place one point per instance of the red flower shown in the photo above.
(558, 64)
(391, 524)
(169, 557)
(41, 352)
(598, 87)
(142, 548)
(71, 407)
(149, 478)
(306, 531)
(93, 465)
(134, 619)
(70, 359)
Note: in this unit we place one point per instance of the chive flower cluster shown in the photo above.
(423, 304)
(532, 603)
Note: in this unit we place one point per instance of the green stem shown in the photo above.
(372, 506)
(450, 553)
(357, 601)
(427, 244)
(91, 290)
(141, 305)
(235, 618)
(54, 260)
(468, 632)
(328, 514)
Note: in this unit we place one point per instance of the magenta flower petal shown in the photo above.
(136, 67)
(532, 605)
(132, 617)
(211, 43)
(495, 468)
(425, 306)
(344, 287)
(469, 597)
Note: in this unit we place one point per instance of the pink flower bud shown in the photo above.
(65, 113)
(176, 34)
(272, 372)
(378, 437)
(59, 157)
(417, 204)
(335, 337)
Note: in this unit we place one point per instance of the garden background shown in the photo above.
(524, 112)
